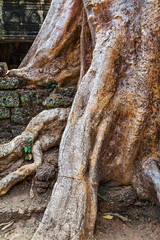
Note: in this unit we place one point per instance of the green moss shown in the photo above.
(9, 83)
(4, 113)
(34, 97)
(9, 99)
(55, 100)
(26, 98)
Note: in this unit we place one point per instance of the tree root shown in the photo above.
(148, 179)
(52, 121)
(124, 219)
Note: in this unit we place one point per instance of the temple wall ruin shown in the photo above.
(20, 21)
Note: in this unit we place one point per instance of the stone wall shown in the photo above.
(19, 104)
(21, 19)
(17, 107)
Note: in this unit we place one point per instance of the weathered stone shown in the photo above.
(9, 83)
(33, 97)
(52, 157)
(67, 91)
(57, 100)
(4, 113)
(45, 173)
(5, 130)
(23, 115)
(9, 99)
(41, 184)
(21, 19)
(26, 98)
(41, 190)
(3, 68)
(5, 136)
(116, 199)
(17, 130)
(5, 124)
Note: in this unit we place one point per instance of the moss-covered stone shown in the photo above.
(34, 97)
(9, 83)
(26, 98)
(39, 97)
(9, 99)
(67, 91)
(4, 113)
(22, 116)
(56, 100)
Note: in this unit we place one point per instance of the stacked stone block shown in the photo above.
(17, 106)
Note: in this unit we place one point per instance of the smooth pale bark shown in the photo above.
(52, 57)
(45, 131)
(112, 129)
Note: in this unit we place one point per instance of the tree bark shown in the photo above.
(112, 129)
(52, 56)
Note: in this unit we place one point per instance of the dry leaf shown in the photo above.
(30, 156)
(109, 217)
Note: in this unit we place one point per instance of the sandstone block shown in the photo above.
(9, 83)
(4, 113)
(9, 99)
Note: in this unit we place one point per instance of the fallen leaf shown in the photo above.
(109, 217)
(30, 156)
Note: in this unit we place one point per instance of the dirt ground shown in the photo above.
(144, 225)
(20, 216)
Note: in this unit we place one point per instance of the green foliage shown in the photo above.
(51, 85)
(157, 214)
(103, 197)
(101, 191)
(28, 150)
(26, 157)
(29, 139)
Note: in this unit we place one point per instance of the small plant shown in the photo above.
(28, 150)
(29, 139)
(51, 85)
(101, 191)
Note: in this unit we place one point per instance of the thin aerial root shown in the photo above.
(14, 149)
(21, 173)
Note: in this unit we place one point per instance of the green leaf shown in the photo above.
(103, 189)
(27, 157)
(26, 149)
(29, 149)
(103, 197)
(146, 203)
(29, 139)
(51, 85)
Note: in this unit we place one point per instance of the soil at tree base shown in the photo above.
(26, 214)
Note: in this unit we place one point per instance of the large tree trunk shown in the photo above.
(52, 56)
(112, 129)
